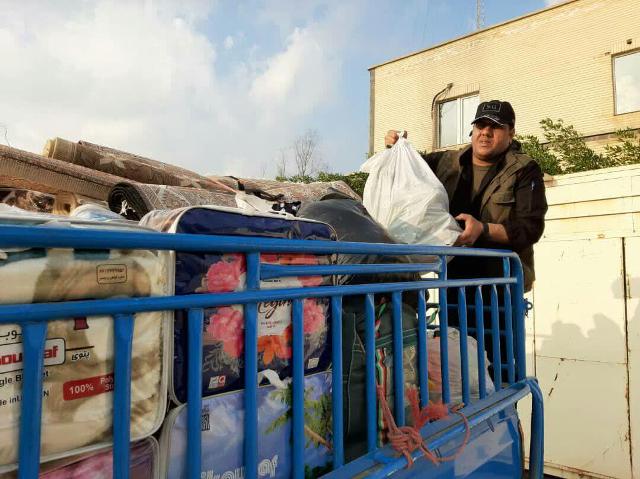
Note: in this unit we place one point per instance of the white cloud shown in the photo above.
(143, 77)
(293, 78)
(549, 3)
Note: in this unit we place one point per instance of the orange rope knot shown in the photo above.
(407, 439)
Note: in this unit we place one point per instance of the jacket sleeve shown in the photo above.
(526, 222)
(432, 159)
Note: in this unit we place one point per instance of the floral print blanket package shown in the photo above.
(78, 356)
(223, 339)
(222, 423)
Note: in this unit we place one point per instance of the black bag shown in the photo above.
(352, 222)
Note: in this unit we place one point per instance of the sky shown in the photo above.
(220, 86)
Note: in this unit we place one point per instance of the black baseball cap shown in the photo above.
(500, 112)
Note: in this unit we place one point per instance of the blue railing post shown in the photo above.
(298, 390)
(508, 324)
(370, 358)
(518, 309)
(444, 334)
(336, 382)
(482, 384)
(123, 338)
(195, 327)
(251, 369)
(495, 339)
(536, 444)
(423, 368)
(33, 340)
(398, 360)
(464, 360)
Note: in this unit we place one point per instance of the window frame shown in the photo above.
(613, 81)
(460, 135)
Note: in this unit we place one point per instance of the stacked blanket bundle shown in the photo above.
(79, 358)
(211, 272)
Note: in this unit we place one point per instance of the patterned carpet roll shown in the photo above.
(134, 200)
(35, 172)
(126, 165)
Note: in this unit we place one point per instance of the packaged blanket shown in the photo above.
(222, 433)
(79, 362)
(143, 460)
(223, 358)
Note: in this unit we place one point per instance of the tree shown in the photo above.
(572, 151)
(566, 151)
(549, 163)
(626, 153)
(281, 164)
(305, 153)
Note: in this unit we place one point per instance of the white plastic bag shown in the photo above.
(406, 197)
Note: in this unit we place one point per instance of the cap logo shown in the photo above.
(491, 107)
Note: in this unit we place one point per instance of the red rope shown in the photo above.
(407, 439)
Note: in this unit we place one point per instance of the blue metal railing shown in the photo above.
(33, 319)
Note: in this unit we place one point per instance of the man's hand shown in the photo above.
(472, 230)
(391, 137)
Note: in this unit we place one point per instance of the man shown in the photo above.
(495, 191)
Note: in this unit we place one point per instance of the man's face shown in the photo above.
(490, 139)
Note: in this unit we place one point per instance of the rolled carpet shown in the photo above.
(20, 168)
(134, 200)
(126, 165)
(290, 191)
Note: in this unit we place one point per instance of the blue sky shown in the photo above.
(221, 87)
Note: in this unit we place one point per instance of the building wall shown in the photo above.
(555, 63)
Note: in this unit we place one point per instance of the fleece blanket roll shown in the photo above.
(211, 272)
(144, 464)
(222, 433)
(79, 363)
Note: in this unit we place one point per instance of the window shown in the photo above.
(626, 74)
(455, 120)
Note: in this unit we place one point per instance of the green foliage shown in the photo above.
(548, 161)
(572, 151)
(355, 180)
(628, 152)
(565, 151)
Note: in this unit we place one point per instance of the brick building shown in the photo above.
(579, 61)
